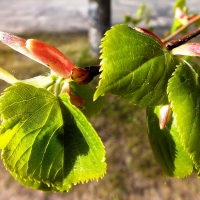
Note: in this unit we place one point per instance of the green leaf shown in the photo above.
(176, 24)
(91, 107)
(167, 147)
(46, 141)
(135, 66)
(183, 89)
(35, 184)
(180, 3)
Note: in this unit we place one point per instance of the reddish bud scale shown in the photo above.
(74, 99)
(12, 40)
(51, 56)
(77, 101)
(16, 43)
(79, 75)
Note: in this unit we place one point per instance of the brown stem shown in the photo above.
(181, 29)
(181, 40)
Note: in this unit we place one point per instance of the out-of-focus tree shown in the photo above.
(100, 20)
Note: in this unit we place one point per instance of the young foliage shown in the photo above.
(184, 93)
(46, 140)
(135, 66)
(142, 15)
(167, 146)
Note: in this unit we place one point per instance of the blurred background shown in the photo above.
(72, 27)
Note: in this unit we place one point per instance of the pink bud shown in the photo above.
(16, 43)
(179, 13)
(188, 49)
(12, 40)
(181, 16)
(164, 114)
(40, 52)
(51, 56)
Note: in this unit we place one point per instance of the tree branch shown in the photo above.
(181, 40)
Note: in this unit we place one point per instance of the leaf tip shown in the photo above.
(95, 97)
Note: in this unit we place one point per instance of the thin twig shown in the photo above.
(183, 39)
(181, 29)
